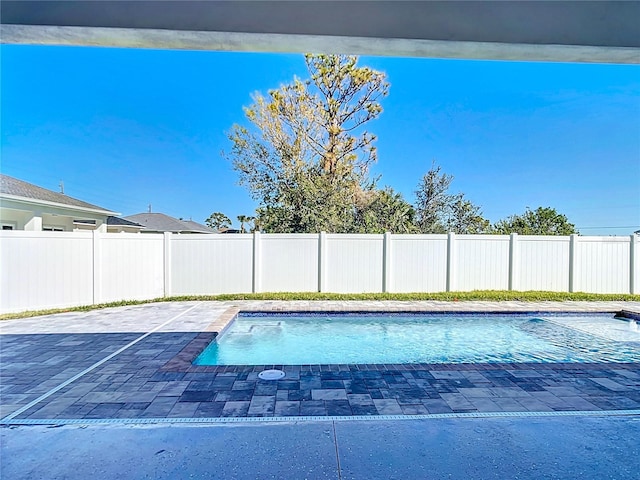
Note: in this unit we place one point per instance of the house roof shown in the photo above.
(159, 222)
(121, 222)
(198, 226)
(13, 188)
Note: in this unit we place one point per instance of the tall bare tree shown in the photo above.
(306, 154)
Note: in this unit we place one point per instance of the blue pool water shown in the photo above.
(302, 339)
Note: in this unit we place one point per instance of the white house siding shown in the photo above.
(22, 213)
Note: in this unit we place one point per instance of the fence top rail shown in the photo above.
(544, 238)
(210, 236)
(419, 236)
(45, 234)
(310, 236)
(377, 236)
(603, 239)
(356, 236)
(479, 236)
(155, 237)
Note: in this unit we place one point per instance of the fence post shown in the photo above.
(451, 262)
(97, 266)
(633, 270)
(386, 263)
(514, 255)
(256, 263)
(322, 261)
(573, 239)
(167, 264)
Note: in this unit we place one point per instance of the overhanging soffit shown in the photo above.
(565, 31)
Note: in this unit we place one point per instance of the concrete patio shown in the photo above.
(585, 448)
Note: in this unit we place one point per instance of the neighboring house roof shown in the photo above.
(196, 225)
(121, 222)
(159, 222)
(20, 190)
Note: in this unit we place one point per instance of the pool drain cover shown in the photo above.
(271, 375)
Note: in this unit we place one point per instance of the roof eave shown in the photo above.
(36, 201)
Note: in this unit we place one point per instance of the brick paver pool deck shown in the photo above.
(135, 362)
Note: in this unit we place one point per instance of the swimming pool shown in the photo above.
(348, 338)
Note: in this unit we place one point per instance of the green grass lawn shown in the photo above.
(477, 295)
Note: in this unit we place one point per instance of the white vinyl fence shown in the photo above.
(60, 269)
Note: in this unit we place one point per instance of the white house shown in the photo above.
(24, 206)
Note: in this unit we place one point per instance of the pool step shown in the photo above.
(629, 315)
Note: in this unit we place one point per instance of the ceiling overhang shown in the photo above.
(564, 31)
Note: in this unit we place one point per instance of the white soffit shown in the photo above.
(562, 31)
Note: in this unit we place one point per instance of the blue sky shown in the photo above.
(125, 128)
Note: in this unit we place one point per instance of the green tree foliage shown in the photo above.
(438, 211)
(306, 155)
(385, 211)
(542, 221)
(432, 200)
(218, 220)
(254, 225)
(465, 217)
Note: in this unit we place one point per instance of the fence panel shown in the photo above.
(210, 264)
(289, 263)
(602, 265)
(481, 262)
(542, 263)
(354, 263)
(418, 263)
(43, 270)
(132, 266)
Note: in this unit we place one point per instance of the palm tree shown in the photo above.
(242, 219)
(253, 224)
